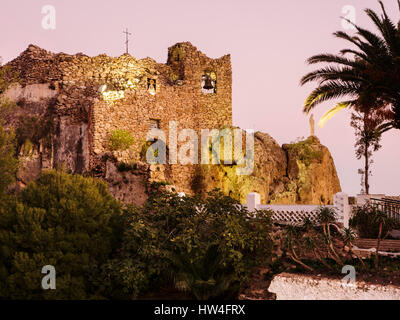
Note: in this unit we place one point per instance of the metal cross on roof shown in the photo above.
(127, 34)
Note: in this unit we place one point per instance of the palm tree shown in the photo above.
(369, 79)
(289, 243)
(308, 225)
(311, 245)
(382, 219)
(368, 137)
(326, 217)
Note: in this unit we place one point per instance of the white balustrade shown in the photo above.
(295, 214)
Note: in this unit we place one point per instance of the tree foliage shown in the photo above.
(205, 247)
(67, 221)
(8, 160)
(304, 151)
(366, 76)
(120, 140)
(368, 138)
(364, 220)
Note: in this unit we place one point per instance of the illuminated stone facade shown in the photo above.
(92, 96)
(75, 102)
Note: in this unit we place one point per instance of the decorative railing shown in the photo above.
(295, 214)
(390, 206)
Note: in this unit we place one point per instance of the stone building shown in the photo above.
(72, 103)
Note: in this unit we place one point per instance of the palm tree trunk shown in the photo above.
(336, 255)
(378, 244)
(324, 229)
(332, 248)
(361, 260)
(366, 169)
(358, 257)
(332, 256)
(320, 258)
(293, 256)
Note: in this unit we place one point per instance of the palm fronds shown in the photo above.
(368, 74)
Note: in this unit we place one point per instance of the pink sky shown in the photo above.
(269, 42)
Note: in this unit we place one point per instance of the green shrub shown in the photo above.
(204, 274)
(155, 185)
(67, 221)
(34, 130)
(364, 221)
(123, 166)
(120, 140)
(8, 161)
(102, 250)
(206, 247)
(305, 151)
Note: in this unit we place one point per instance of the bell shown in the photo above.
(208, 83)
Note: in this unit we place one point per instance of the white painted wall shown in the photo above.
(32, 92)
(301, 287)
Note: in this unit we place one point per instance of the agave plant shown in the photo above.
(326, 216)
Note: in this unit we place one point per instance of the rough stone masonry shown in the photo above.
(70, 104)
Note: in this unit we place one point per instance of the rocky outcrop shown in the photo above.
(68, 105)
(311, 172)
(297, 173)
(267, 178)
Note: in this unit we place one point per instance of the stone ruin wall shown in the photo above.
(83, 119)
(64, 90)
(178, 98)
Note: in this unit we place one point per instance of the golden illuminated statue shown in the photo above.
(151, 86)
(312, 125)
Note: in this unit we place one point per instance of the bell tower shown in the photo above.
(206, 80)
(176, 57)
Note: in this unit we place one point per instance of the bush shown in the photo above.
(206, 247)
(120, 140)
(34, 130)
(8, 161)
(67, 221)
(102, 250)
(123, 166)
(304, 151)
(364, 221)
